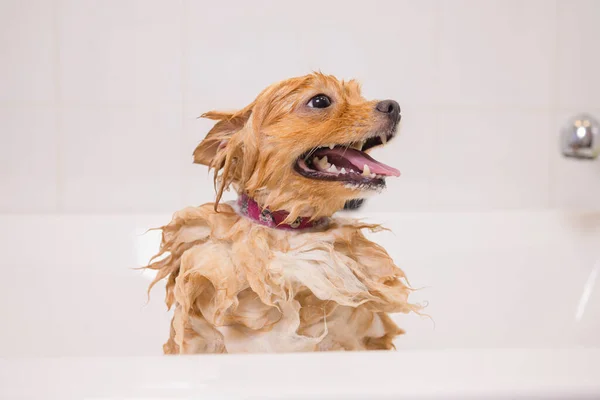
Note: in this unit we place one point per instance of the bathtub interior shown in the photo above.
(494, 280)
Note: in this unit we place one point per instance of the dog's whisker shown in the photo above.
(310, 153)
(346, 149)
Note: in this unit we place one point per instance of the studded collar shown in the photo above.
(249, 208)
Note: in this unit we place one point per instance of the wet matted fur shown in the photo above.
(238, 286)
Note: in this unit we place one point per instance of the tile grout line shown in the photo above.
(58, 112)
(430, 106)
(437, 26)
(552, 118)
(183, 82)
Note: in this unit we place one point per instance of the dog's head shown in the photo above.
(302, 145)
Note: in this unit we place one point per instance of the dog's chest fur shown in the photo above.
(240, 287)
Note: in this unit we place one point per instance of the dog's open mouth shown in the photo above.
(347, 163)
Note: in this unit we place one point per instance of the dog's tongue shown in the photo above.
(359, 159)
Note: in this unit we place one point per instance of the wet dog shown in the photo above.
(275, 271)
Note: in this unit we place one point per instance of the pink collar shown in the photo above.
(274, 219)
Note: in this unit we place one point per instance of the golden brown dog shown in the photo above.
(276, 272)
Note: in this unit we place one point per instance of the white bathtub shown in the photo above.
(514, 299)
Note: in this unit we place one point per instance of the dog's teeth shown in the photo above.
(372, 175)
(331, 146)
(332, 169)
(321, 163)
(357, 145)
(366, 170)
(383, 138)
(343, 171)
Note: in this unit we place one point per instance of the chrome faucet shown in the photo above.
(580, 138)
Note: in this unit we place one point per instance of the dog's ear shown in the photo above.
(228, 124)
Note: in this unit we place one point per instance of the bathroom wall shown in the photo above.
(99, 99)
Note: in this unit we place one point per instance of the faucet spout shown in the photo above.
(580, 138)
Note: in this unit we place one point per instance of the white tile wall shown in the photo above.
(27, 52)
(121, 159)
(490, 160)
(28, 159)
(497, 53)
(120, 52)
(578, 60)
(98, 99)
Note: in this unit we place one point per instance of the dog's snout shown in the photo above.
(389, 107)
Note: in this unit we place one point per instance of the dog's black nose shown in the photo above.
(389, 107)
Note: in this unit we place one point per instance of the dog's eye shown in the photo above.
(319, 101)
